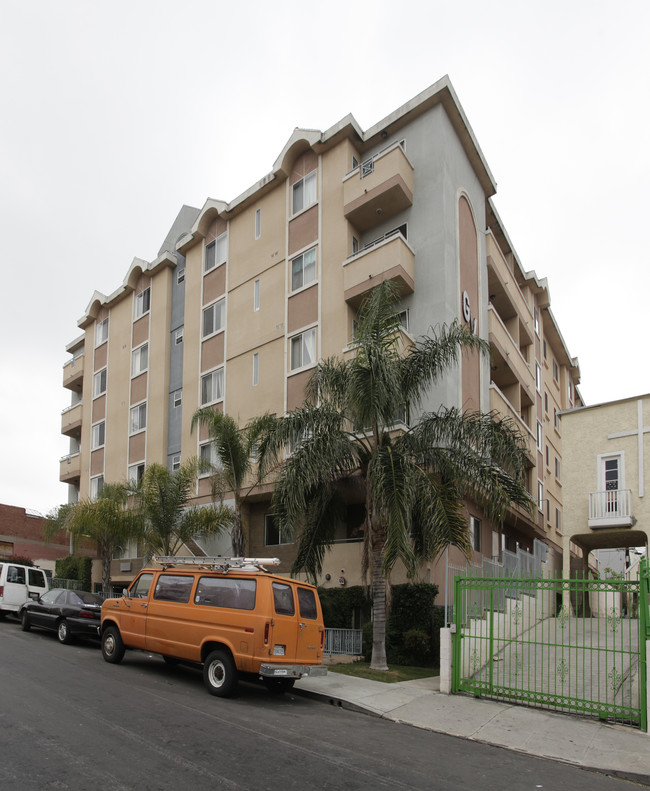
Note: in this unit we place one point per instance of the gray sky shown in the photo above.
(116, 113)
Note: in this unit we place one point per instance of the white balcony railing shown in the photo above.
(611, 508)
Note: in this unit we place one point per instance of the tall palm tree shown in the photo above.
(167, 521)
(107, 520)
(415, 480)
(234, 446)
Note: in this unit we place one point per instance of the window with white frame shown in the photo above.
(303, 349)
(538, 377)
(540, 496)
(556, 371)
(256, 369)
(558, 520)
(135, 473)
(101, 332)
(214, 318)
(536, 320)
(258, 223)
(96, 486)
(557, 468)
(304, 192)
(546, 402)
(180, 276)
(570, 392)
(403, 317)
(475, 533)
(178, 398)
(556, 419)
(143, 302)
(303, 269)
(208, 454)
(98, 435)
(138, 418)
(179, 335)
(176, 462)
(540, 436)
(216, 252)
(99, 383)
(256, 295)
(212, 387)
(273, 533)
(140, 360)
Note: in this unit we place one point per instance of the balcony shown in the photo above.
(378, 188)
(73, 373)
(70, 468)
(71, 421)
(611, 508)
(388, 258)
(508, 363)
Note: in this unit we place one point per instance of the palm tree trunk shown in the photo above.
(106, 571)
(237, 536)
(378, 581)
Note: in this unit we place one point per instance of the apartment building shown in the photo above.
(246, 296)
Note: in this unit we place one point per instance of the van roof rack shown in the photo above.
(216, 562)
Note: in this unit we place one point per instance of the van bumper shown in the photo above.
(292, 671)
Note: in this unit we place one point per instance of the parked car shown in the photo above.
(69, 613)
(18, 584)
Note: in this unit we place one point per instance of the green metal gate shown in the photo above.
(574, 645)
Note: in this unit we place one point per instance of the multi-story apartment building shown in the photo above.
(245, 297)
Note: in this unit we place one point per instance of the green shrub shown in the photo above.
(339, 605)
(77, 568)
(21, 561)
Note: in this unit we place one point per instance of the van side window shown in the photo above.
(283, 599)
(171, 587)
(36, 578)
(140, 588)
(16, 574)
(307, 603)
(234, 593)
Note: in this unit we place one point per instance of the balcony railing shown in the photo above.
(387, 258)
(611, 508)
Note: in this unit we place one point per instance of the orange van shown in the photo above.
(229, 614)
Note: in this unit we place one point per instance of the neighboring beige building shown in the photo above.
(606, 450)
(246, 296)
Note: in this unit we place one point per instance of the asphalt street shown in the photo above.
(68, 720)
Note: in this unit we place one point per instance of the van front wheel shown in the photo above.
(112, 645)
(220, 674)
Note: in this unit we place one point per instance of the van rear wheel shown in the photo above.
(112, 645)
(220, 674)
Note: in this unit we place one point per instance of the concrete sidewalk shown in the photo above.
(612, 749)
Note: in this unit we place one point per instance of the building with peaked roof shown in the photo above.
(246, 296)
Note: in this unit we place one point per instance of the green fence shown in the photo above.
(573, 645)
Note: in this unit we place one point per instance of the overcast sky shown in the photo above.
(114, 114)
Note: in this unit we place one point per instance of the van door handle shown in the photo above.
(143, 604)
(301, 625)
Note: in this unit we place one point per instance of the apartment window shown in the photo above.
(208, 453)
(180, 276)
(176, 462)
(546, 402)
(303, 269)
(538, 377)
(403, 318)
(138, 421)
(548, 510)
(98, 437)
(213, 318)
(355, 245)
(303, 349)
(540, 435)
(179, 335)
(548, 457)
(143, 302)
(304, 192)
(570, 392)
(556, 371)
(255, 451)
(96, 486)
(545, 350)
(557, 468)
(216, 252)
(558, 520)
(475, 532)
(256, 369)
(101, 332)
(258, 223)
(256, 295)
(540, 496)
(274, 534)
(140, 360)
(212, 387)
(99, 383)
(536, 320)
(556, 419)
(135, 473)
(178, 398)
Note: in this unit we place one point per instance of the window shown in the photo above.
(307, 603)
(178, 398)
(99, 383)
(135, 473)
(256, 369)
(209, 455)
(140, 588)
(545, 350)
(540, 496)
(143, 302)
(180, 276)
(536, 320)
(303, 349)
(256, 295)
(304, 192)
(238, 594)
(558, 520)
(216, 252)
(179, 335)
(303, 269)
(96, 486)
(176, 462)
(556, 419)
(540, 435)
(570, 392)
(213, 318)
(16, 574)
(36, 578)
(556, 371)
(138, 420)
(258, 223)
(538, 377)
(475, 533)
(283, 599)
(101, 332)
(98, 435)
(212, 387)
(548, 510)
(355, 245)
(557, 468)
(172, 587)
(546, 402)
(273, 533)
(140, 360)
(548, 457)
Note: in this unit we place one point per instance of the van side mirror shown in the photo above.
(126, 593)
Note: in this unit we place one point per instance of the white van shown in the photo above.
(18, 584)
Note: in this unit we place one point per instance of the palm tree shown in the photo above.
(107, 520)
(234, 447)
(414, 481)
(167, 521)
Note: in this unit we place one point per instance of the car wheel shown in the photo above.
(25, 625)
(112, 645)
(279, 685)
(220, 674)
(63, 632)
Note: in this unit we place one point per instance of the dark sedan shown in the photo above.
(69, 613)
